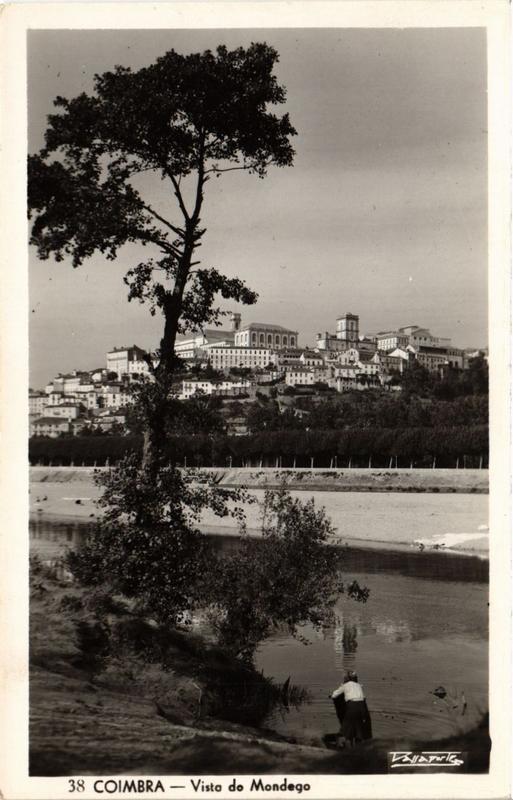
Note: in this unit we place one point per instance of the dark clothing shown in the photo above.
(354, 718)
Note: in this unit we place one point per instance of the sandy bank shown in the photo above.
(326, 480)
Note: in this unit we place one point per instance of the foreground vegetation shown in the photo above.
(111, 694)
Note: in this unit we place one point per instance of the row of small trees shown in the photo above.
(442, 447)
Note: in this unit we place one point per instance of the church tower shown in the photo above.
(235, 320)
(348, 329)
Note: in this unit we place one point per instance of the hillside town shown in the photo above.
(241, 363)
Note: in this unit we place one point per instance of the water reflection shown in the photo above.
(393, 631)
(345, 638)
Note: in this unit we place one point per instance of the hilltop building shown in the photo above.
(433, 352)
(127, 362)
(191, 347)
(346, 335)
(265, 334)
(222, 357)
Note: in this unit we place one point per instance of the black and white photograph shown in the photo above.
(261, 368)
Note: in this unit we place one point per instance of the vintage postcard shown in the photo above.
(256, 400)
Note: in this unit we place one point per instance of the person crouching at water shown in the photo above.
(352, 711)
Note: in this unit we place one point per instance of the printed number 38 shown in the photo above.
(76, 786)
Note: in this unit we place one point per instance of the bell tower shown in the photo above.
(348, 329)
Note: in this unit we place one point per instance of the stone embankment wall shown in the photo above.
(336, 480)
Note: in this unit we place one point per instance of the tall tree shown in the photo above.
(186, 119)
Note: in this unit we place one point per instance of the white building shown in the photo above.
(224, 358)
(422, 337)
(224, 388)
(300, 376)
(127, 361)
(309, 358)
(265, 334)
(388, 363)
(67, 411)
(113, 395)
(289, 357)
(49, 426)
(435, 357)
(192, 346)
(37, 402)
(391, 340)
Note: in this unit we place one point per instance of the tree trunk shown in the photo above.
(458, 463)
(294, 463)
(311, 462)
(434, 462)
(480, 462)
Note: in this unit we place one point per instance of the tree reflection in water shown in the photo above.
(349, 638)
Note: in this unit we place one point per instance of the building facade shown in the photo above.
(50, 426)
(127, 361)
(224, 358)
(37, 402)
(214, 388)
(264, 334)
(347, 334)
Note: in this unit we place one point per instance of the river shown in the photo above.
(425, 625)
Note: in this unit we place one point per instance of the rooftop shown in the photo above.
(51, 421)
(237, 347)
(267, 326)
(125, 349)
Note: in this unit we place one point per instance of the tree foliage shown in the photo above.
(289, 578)
(186, 119)
(147, 546)
(411, 444)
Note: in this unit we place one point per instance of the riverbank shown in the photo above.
(444, 521)
(95, 711)
(471, 481)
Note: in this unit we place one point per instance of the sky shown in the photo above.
(384, 213)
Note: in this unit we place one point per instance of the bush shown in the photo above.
(289, 577)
